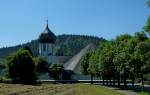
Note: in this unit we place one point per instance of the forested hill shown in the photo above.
(67, 45)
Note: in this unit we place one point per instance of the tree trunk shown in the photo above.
(114, 81)
(103, 80)
(142, 80)
(110, 81)
(91, 78)
(125, 83)
(107, 81)
(133, 79)
(118, 81)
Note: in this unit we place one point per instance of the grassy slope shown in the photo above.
(55, 89)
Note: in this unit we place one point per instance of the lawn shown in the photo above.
(144, 93)
(55, 89)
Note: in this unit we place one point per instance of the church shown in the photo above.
(47, 39)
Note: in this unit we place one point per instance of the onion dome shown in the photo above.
(47, 36)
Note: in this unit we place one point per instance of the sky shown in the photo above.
(23, 20)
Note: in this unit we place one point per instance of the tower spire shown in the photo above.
(47, 22)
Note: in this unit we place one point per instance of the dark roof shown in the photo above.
(47, 36)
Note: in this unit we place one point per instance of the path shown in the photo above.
(130, 92)
(125, 92)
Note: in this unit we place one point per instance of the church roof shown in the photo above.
(47, 36)
(74, 63)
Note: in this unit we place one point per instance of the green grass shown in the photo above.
(87, 89)
(55, 89)
(144, 93)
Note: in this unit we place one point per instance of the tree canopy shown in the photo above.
(126, 57)
(21, 67)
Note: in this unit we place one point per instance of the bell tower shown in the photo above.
(46, 41)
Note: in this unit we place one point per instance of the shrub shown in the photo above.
(55, 71)
(42, 65)
(21, 67)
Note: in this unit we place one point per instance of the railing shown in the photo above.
(70, 81)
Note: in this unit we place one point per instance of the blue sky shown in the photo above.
(23, 20)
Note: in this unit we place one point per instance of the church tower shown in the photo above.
(46, 41)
